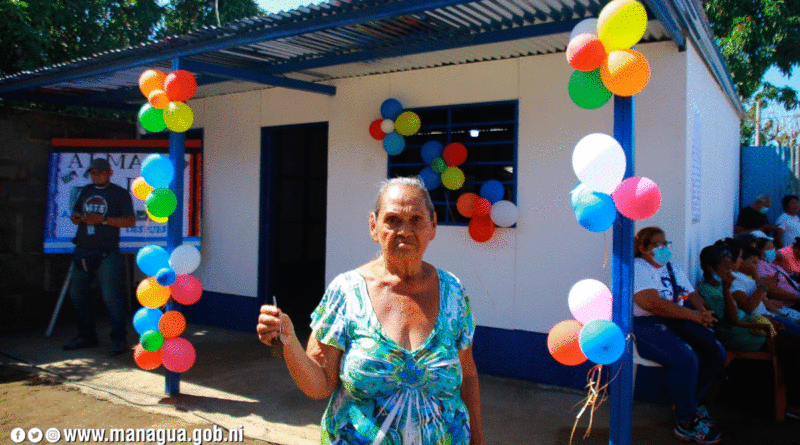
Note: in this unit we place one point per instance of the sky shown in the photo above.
(775, 77)
(284, 5)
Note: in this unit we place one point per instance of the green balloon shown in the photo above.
(438, 165)
(161, 202)
(151, 340)
(586, 89)
(151, 119)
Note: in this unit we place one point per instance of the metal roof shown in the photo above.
(307, 47)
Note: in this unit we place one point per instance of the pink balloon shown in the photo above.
(589, 300)
(186, 289)
(177, 354)
(637, 198)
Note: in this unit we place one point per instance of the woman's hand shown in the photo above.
(727, 280)
(272, 323)
(704, 318)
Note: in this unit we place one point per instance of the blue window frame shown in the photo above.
(487, 130)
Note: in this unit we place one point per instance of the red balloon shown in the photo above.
(186, 289)
(454, 154)
(375, 130)
(481, 207)
(481, 228)
(465, 203)
(562, 342)
(585, 52)
(180, 86)
(177, 354)
(145, 359)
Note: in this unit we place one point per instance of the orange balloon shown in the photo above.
(481, 228)
(465, 203)
(481, 207)
(172, 324)
(625, 72)
(151, 294)
(158, 99)
(140, 188)
(562, 342)
(151, 80)
(145, 359)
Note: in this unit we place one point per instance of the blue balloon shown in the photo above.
(165, 276)
(431, 150)
(394, 143)
(151, 259)
(492, 190)
(391, 108)
(594, 211)
(157, 170)
(430, 178)
(602, 341)
(146, 319)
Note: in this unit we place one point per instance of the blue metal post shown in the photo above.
(177, 148)
(622, 285)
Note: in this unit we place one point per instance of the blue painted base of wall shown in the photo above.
(501, 352)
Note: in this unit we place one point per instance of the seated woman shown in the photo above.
(789, 258)
(784, 287)
(675, 336)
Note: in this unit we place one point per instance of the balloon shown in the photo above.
(172, 324)
(151, 294)
(454, 154)
(151, 80)
(184, 259)
(602, 341)
(140, 188)
(178, 117)
(165, 276)
(492, 190)
(177, 354)
(387, 126)
(157, 171)
(151, 259)
(180, 86)
(145, 359)
(438, 165)
(585, 26)
(431, 150)
(151, 341)
(589, 300)
(186, 289)
(585, 52)
(621, 24)
(158, 99)
(576, 193)
(599, 162)
(151, 119)
(465, 203)
(562, 342)
(626, 72)
(586, 89)
(453, 178)
(430, 178)
(407, 123)
(375, 130)
(595, 211)
(637, 198)
(161, 202)
(394, 144)
(391, 108)
(146, 319)
(481, 228)
(481, 207)
(156, 219)
(504, 213)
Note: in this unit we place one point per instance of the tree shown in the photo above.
(184, 16)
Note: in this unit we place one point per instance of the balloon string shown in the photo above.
(605, 248)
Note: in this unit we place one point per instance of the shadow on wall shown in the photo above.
(771, 170)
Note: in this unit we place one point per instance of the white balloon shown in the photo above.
(387, 126)
(504, 213)
(584, 26)
(599, 162)
(184, 259)
(589, 300)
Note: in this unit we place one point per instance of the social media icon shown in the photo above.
(52, 435)
(35, 435)
(17, 435)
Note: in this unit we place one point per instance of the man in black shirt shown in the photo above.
(754, 217)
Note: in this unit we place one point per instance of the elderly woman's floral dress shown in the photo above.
(388, 394)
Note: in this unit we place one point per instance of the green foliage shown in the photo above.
(184, 16)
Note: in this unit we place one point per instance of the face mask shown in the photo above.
(764, 210)
(717, 278)
(662, 255)
(769, 255)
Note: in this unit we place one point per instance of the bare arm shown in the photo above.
(470, 394)
(649, 300)
(748, 302)
(697, 301)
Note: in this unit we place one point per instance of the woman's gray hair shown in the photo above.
(410, 181)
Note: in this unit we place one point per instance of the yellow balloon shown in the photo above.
(453, 178)
(621, 24)
(407, 123)
(157, 218)
(140, 188)
(151, 294)
(178, 117)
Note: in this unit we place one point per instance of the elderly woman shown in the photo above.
(391, 341)
(674, 335)
(789, 258)
(789, 222)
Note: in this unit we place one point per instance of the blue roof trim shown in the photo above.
(668, 19)
(254, 76)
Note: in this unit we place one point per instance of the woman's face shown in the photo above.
(724, 268)
(749, 265)
(793, 207)
(403, 227)
(738, 263)
(768, 246)
(658, 240)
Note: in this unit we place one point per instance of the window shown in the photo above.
(488, 131)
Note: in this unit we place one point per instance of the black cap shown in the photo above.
(98, 164)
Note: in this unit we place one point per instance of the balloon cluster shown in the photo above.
(153, 187)
(600, 51)
(393, 125)
(444, 162)
(166, 95)
(168, 276)
(487, 210)
(591, 335)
